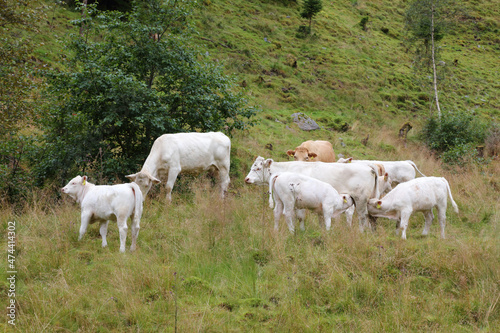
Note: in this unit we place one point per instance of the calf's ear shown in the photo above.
(267, 163)
(312, 155)
(84, 181)
(155, 180)
(349, 160)
(290, 152)
(131, 177)
(378, 204)
(386, 176)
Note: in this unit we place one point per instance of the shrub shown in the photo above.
(452, 130)
(303, 31)
(492, 142)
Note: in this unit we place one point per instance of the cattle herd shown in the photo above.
(314, 181)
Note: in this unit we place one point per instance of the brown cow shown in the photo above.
(321, 151)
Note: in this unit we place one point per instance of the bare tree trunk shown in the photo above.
(84, 14)
(434, 62)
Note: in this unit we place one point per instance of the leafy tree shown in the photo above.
(16, 85)
(134, 77)
(426, 22)
(310, 8)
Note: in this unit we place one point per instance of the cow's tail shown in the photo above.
(272, 180)
(138, 203)
(415, 166)
(453, 203)
(376, 190)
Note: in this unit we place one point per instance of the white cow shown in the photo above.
(399, 171)
(384, 185)
(358, 180)
(292, 191)
(104, 203)
(185, 152)
(417, 195)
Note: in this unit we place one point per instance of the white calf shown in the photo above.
(292, 191)
(417, 195)
(103, 203)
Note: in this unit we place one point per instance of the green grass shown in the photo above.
(221, 267)
(218, 266)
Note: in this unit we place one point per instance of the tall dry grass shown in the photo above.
(204, 264)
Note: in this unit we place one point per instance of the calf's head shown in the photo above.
(259, 172)
(74, 186)
(376, 207)
(347, 201)
(144, 180)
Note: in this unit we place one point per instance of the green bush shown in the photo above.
(454, 135)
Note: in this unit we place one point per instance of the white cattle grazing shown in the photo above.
(318, 151)
(358, 180)
(292, 191)
(185, 152)
(399, 171)
(384, 185)
(104, 203)
(417, 195)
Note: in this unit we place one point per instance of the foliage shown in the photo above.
(418, 22)
(311, 8)
(16, 87)
(364, 22)
(426, 22)
(454, 134)
(134, 77)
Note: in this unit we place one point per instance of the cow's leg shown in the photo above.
(135, 233)
(103, 230)
(398, 225)
(172, 176)
(348, 215)
(122, 227)
(327, 217)
(224, 180)
(289, 216)
(405, 218)
(441, 211)
(278, 211)
(362, 210)
(301, 215)
(428, 221)
(85, 217)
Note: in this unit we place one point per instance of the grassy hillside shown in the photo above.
(208, 265)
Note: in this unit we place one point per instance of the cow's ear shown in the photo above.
(345, 198)
(290, 152)
(267, 163)
(84, 181)
(386, 176)
(312, 155)
(349, 160)
(131, 177)
(378, 204)
(155, 180)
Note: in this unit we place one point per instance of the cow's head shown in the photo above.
(301, 154)
(259, 172)
(145, 180)
(75, 186)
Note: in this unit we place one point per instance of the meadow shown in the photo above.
(209, 265)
